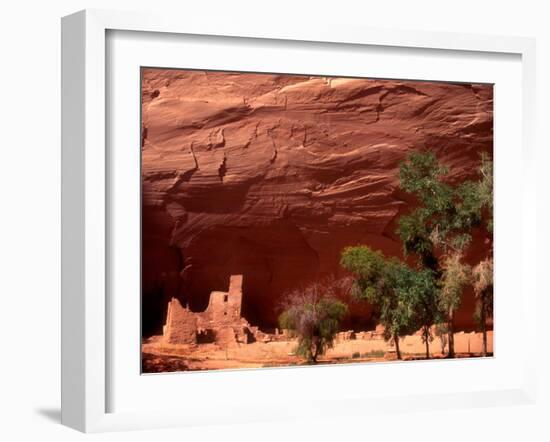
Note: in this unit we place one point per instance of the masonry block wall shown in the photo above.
(221, 319)
(181, 324)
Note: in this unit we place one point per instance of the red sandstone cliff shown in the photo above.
(270, 176)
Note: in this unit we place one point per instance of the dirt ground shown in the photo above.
(160, 357)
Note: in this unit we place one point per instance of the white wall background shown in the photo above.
(30, 214)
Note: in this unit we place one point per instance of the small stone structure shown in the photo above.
(221, 322)
(181, 325)
(222, 325)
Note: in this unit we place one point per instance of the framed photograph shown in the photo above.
(250, 213)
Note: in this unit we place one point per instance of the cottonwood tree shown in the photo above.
(483, 289)
(482, 274)
(404, 299)
(438, 229)
(421, 289)
(455, 277)
(314, 315)
(442, 333)
(485, 191)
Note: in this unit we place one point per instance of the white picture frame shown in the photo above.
(85, 209)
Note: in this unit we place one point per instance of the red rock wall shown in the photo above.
(270, 176)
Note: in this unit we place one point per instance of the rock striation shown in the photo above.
(270, 176)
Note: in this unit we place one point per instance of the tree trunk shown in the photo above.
(397, 351)
(314, 352)
(484, 325)
(451, 334)
(427, 341)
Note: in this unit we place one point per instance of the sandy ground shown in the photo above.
(160, 357)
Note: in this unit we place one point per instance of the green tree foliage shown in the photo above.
(404, 299)
(314, 315)
(483, 289)
(420, 287)
(445, 215)
(485, 190)
(438, 229)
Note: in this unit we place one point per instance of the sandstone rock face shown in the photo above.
(270, 176)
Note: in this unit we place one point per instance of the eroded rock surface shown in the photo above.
(270, 176)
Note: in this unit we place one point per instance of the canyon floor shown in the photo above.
(160, 357)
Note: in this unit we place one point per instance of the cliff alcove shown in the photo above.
(270, 176)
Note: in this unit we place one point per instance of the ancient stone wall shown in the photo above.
(221, 320)
(235, 296)
(181, 324)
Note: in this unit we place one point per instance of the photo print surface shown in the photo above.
(298, 220)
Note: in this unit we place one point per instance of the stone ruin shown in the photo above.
(352, 335)
(220, 323)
